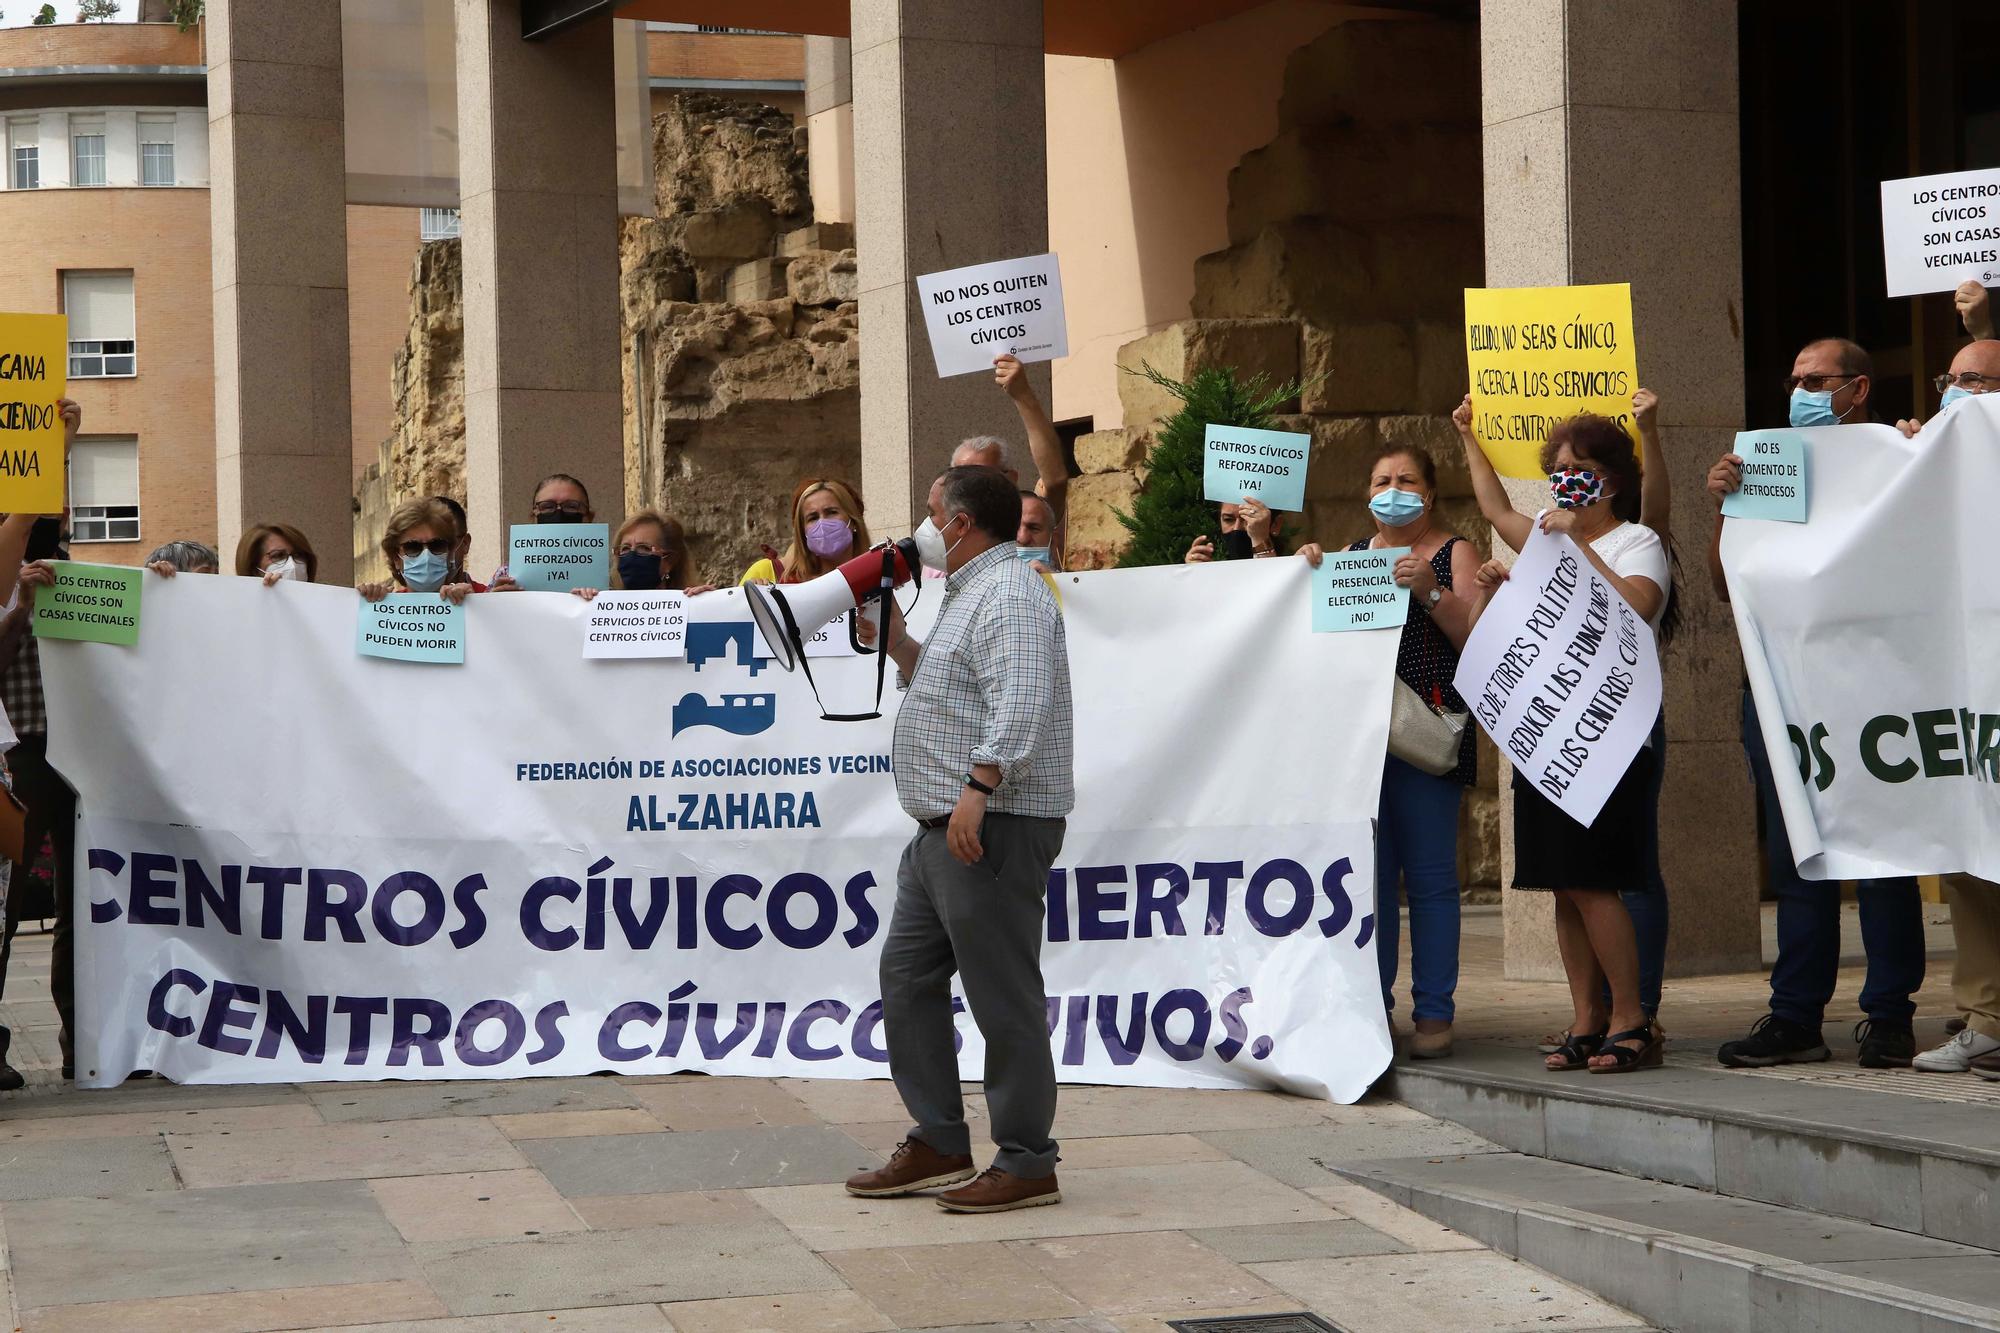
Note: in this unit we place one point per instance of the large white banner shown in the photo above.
(1563, 674)
(1871, 636)
(297, 863)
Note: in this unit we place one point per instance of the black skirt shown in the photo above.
(1553, 851)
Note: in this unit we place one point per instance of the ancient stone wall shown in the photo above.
(1352, 236)
(740, 360)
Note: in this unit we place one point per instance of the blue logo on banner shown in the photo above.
(713, 639)
(738, 714)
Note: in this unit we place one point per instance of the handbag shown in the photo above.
(1423, 737)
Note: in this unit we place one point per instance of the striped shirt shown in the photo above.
(991, 686)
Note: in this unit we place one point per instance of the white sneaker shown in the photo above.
(1956, 1056)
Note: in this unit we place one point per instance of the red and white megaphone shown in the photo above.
(788, 616)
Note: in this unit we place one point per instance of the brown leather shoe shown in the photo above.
(915, 1165)
(996, 1191)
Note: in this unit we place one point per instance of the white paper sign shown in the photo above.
(1564, 676)
(635, 624)
(976, 313)
(1938, 231)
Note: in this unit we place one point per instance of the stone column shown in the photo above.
(830, 127)
(950, 168)
(538, 203)
(1611, 156)
(278, 207)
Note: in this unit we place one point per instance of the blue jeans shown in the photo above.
(1808, 966)
(1416, 841)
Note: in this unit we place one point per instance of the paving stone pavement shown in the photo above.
(700, 1205)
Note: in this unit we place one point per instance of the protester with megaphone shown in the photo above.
(983, 756)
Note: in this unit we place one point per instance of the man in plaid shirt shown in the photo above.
(983, 756)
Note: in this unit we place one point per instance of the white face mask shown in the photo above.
(931, 548)
(288, 568)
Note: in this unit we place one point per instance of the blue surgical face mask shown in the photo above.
(1952, 395)
(425, 572)
(1030, 554)
(1813, 409)
(1397, 508)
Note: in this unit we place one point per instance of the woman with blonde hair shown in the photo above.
(827, 528)
(275, 551)
(421, 541)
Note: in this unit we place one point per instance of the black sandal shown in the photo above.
(1576, 1050)
(1648, 1056)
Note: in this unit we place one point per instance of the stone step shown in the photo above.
(1891, 1159)
(1690, 1260)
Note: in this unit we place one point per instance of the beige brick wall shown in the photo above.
(381, 246)
(162, 236)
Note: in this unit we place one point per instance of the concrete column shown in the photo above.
(950, 168)
(278, 206)
(1610, 137)
(538, 203)
(830, 127)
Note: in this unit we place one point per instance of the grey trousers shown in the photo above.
(983, 922)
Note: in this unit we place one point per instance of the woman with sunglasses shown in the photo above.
(421, 543)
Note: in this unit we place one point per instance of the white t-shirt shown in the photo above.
(1634, 550)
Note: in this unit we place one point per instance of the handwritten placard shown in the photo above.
(1358, 590)
(1269, 466)
(94, 603)
(412, 627)
(1563, 674)
(1540, 355)
(1774, 477)
(976, 313)
(34, 371)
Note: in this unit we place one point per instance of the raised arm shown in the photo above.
(1044, 445)
(1656, 485)
(1512, 525)
(1723, 478)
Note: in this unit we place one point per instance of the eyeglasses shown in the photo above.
(1971, 381)
(552, 507)
(1817, 383)
(639, 548)
(279, 557)
(436, 546)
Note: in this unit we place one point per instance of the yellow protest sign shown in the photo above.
(34, 370)
(1539, 355)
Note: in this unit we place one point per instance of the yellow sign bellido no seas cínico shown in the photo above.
(1539, 355)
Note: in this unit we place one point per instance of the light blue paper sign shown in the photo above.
(556, 557)
(1358, 590)
(412, 627)
(1269, 465)
(1774, 477)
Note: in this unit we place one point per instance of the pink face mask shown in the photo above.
(829, 537)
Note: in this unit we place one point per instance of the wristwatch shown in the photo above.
(1437, 595)
(977, 785)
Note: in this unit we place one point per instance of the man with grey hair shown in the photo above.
(183, 557)
(983, 757)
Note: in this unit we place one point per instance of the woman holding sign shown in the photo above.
(1594, 489)
(420, 543)
(1417, 833)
